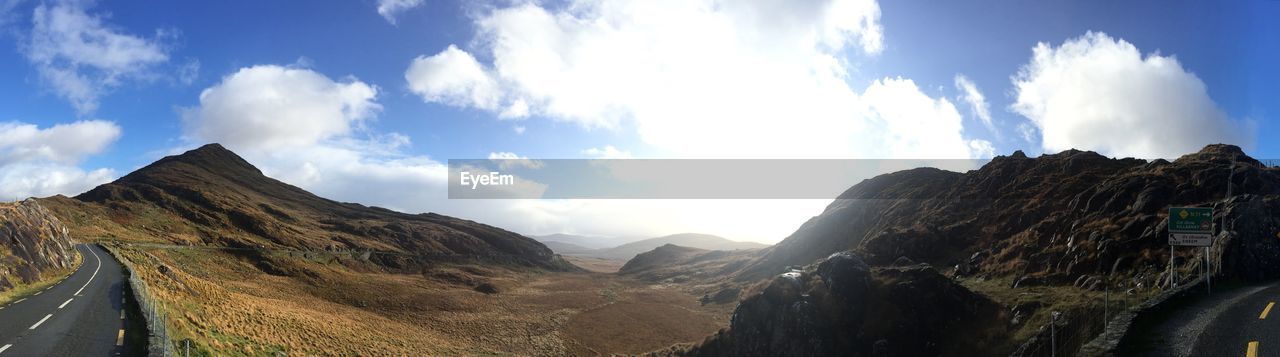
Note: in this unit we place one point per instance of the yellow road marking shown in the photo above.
(1253, 349)
(1266, 310)
(120, 338)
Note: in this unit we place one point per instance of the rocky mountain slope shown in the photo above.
(842, 307)
(33, 244)
(1050, 219)
(210, 196)
(1036, 235)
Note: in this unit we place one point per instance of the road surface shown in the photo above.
(83, 315)
(1249, 326)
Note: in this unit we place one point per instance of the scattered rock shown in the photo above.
(487, 288)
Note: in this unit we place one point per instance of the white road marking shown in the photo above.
(5, 347)
(20, 300)
(95, 271)
(65, 303)
(46, 318)
(37, 293)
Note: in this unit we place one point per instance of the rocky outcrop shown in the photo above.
(33, 244)
(843, 307)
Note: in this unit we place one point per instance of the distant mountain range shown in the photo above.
(588, 242)
(626, 251)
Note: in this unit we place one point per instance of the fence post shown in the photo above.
(1053, 338)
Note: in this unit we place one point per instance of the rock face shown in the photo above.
(32, 243)
(1250, 249)
(211, 196)
(843, 307)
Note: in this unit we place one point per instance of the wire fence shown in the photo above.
(1093, 329)
(157, 323)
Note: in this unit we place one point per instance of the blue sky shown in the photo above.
(388, 99)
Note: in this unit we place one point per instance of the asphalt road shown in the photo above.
(1249, 326)
(81, 316)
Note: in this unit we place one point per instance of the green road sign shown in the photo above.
(1191, 220)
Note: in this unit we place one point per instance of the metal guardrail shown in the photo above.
(157, 323)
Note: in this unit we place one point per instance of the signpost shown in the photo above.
(1189, 226)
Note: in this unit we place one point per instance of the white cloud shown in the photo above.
(507, 160)
(607, 152)
(1099, 93)
(389, 9)
(42, 162)
(982, 149)
(688, 73)
(188, 72)
(22, 180)
(455, 77)
(266, 107)
(6, 10)
(81, 57)
(62, 143)
(977, 102)
(1028, 132)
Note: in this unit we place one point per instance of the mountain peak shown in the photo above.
(212, 157)
(1221, 154)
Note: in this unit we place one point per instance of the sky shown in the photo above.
(366, 100)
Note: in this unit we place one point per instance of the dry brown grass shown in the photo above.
(1050, 298)
(228, 307)
(598, 265)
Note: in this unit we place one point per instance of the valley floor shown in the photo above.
(327, 306)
